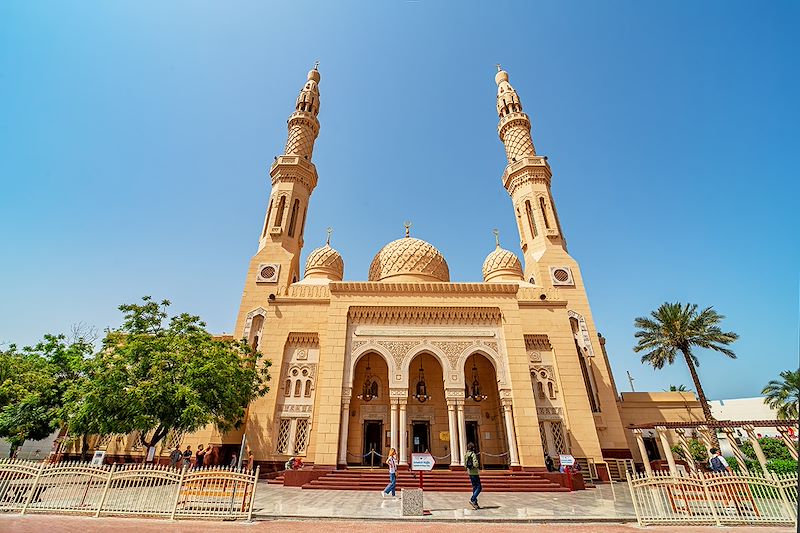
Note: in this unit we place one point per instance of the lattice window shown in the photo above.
(174, 438)
(283, 435)
(544, 438)
(301, 436)
(559, 441)
(105, 440)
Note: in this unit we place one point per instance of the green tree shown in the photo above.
(784, 395)
(676, 327)
(677, 388)
(155, 375)
(696, 448)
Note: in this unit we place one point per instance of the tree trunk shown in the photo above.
(700, 394)
(84, 447)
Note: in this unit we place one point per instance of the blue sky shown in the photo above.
(135, 141)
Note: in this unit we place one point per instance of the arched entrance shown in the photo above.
(483, 414)
(368, 421)
(426, 426)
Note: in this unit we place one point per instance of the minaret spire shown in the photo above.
(303, 123)
(515, 126)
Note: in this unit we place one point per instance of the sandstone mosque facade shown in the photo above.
(410, 360)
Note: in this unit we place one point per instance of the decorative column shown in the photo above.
(343, 427)
(661, 431)
(784, 431)
(455, 452)
(393, 424)
(462, 432)
(740, 458)
(403, 430)
(762, 460)
(510, 433)
(705, 436)
(643, 451)
(686, 449)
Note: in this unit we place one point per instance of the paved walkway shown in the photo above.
(611, 502)
(70, 524)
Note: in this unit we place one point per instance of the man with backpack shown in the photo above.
(718, 463)
(472, 466)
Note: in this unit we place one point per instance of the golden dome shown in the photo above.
(409, 259)
(502, 265)
(325, 262)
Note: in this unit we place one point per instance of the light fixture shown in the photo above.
(422, 389)
(475, 392)
(370, 387)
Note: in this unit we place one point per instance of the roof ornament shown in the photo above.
(329, 231)
(496, 237)
(407, 224)
(499, 68)
(316, 64)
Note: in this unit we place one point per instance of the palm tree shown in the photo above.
(676, 327)
(678, 388)
(784, 395)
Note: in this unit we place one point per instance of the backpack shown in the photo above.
(716, 464)
(469, 463)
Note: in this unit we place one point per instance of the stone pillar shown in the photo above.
(686, 449)
(393, 424)
(403, 430)
(762, 460)
(642, 450)
(661, 431)
(462, 432)
(740, 458)
(705, 436)
(511, 435)
(455, 451)
(784, 431)
(343, 427)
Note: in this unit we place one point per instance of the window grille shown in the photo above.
(174, 438)
(104, 441)
(283, 435)
(558, 437)
(544, 438)
(301, 436)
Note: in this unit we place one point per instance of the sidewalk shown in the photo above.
(604, 503)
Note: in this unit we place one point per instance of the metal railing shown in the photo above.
(618, 467)
(126, 490)
(714, 498)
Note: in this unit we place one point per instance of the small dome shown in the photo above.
(325, 262)
(501, 76)
(409, 259)
(313, 74)
(502, 265)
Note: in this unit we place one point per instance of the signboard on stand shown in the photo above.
(422, 461)
(566, 460)
(98, 458)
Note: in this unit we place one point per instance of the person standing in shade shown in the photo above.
(251, 462)
(472, 466)
(548, 462)
(187, 457)
(234, 460)
(391, 461)
(200, 457)
(175, 457)
(717, 463)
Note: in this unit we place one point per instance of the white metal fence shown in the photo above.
(714, 498)
(126, 489)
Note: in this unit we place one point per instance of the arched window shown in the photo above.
(585, 369)
(531, 222)
(550, 390)
(303, 222)
(255, 331)
(266, 222)
(297, 386)
(308, 389)
(540, 389)
(279, 214)
(293, 219)
(288, 388)
(544, 212)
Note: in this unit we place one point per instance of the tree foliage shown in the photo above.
(154, 375)
(696, 448)
(679, 328)
(783, 395)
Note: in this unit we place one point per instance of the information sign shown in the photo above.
(98, 458)
(566, 460)
(422, 461)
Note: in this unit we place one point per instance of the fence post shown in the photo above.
(33, 488)
(782, 492)
(709, 501)
(633, 498)
(253, 496)
(178, 494)
(105, 490)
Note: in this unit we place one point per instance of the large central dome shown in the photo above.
(409, 259)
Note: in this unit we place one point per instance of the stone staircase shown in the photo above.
(436, 480)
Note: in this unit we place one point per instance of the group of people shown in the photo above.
(471, 464)
(204, 456)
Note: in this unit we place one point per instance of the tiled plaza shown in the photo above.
(606, 502)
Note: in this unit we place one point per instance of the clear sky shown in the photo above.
(136, 137)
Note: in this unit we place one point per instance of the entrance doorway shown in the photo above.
(473, 436)
(373, 430)
(651, 447)
(420, 437)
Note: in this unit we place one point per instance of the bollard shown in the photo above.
(411, 502)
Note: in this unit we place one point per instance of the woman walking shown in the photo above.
(392, 462)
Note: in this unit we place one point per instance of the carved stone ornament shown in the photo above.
(398, 349)
(452, 349)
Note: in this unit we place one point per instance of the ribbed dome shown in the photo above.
(325, 262)
(502, 265)
(409, 259)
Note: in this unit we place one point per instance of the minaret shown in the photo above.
(527, 180)
(276, 264)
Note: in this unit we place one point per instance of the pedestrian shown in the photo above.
(251, 462)
(548, 462)
(200, 456)
(718, 463)
(187, 457)
(210, 457)
(289, 464)
(472, 465)
(391, 461)
(234, 460)
(175, 457)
